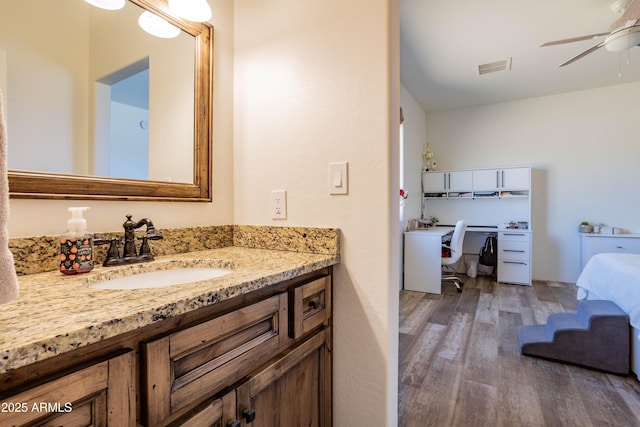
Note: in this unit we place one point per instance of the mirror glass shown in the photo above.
(95, 106)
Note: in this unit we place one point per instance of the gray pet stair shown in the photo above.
(596, 336)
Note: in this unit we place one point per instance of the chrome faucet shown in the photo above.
(129, 254)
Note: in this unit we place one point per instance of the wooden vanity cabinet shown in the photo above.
(266, 364)
(99, 395)
(209, 356)
(264, 354)
(292, 390)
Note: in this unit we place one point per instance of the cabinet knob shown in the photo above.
(249, 415)
(314, 303)
(234, 423)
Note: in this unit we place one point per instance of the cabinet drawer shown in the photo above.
(185, 368)
(98, 395)
(510, 236)
(614, 245)
(513, 249)
(514, 272)
(309, 306)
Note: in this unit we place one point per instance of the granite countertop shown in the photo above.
(56, 314)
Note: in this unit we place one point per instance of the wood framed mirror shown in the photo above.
(197, 186)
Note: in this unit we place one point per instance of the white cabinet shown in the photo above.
(434, 182)
(460, 181)
(447, 182)
(514, 257)
(608, 243)
(511, 179)
(422, 259)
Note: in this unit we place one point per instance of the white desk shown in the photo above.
(422, 263)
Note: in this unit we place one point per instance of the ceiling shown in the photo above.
(443, 43)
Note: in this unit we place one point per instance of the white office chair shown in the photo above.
(456, 252)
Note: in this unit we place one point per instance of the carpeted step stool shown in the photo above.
(596, 336)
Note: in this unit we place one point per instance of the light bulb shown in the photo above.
(193, 10)
(107, 4)
(157, 26)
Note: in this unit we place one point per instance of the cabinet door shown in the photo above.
(460, 181)
(486, 180)
(220, 412)
(515, 179)
(434, 182)
(102, 394)
(184, 369)
(293, 390)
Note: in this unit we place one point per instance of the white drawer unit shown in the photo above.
(514, 257)
(608, 243)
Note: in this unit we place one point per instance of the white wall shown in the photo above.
(415, 136)
(584, 147)
(317, 82)
(40, 217)
(46, 98)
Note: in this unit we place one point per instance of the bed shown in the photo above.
(616, 277)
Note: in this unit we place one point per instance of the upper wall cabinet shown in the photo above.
(513, 179)
(480, 183)
(447, 182)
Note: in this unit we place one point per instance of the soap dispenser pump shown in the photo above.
(76, 244)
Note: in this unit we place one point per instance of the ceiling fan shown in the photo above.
(624, 32)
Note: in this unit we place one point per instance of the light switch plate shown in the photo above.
(279, 204)
(339, 178)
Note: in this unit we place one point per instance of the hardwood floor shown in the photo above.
(460, 364)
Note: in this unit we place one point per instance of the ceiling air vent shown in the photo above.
(492, 67)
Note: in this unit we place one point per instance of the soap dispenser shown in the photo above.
(76, 244)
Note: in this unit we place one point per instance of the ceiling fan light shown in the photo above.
(193, 10)
(107, 4)
(623, 39)
(156, 26)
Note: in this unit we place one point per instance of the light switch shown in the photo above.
(338, 178)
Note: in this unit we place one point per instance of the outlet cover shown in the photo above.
(279, 204)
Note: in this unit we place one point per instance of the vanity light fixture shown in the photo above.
(157, 26)
(107, 4)
(193, 10)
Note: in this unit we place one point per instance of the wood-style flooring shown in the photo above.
(460, 364)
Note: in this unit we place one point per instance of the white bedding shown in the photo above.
(613, 277)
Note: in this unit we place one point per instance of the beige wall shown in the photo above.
(39, 217)
(314, 82)
(584, 148)
(313, 85)
(51, 109)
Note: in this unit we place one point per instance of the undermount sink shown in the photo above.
(162, 278)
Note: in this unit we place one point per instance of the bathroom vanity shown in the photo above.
(253, 346)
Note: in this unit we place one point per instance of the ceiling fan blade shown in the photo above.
(582, 54)
(574, 39)
(631, 13)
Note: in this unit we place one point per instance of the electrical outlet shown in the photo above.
(279, 204)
